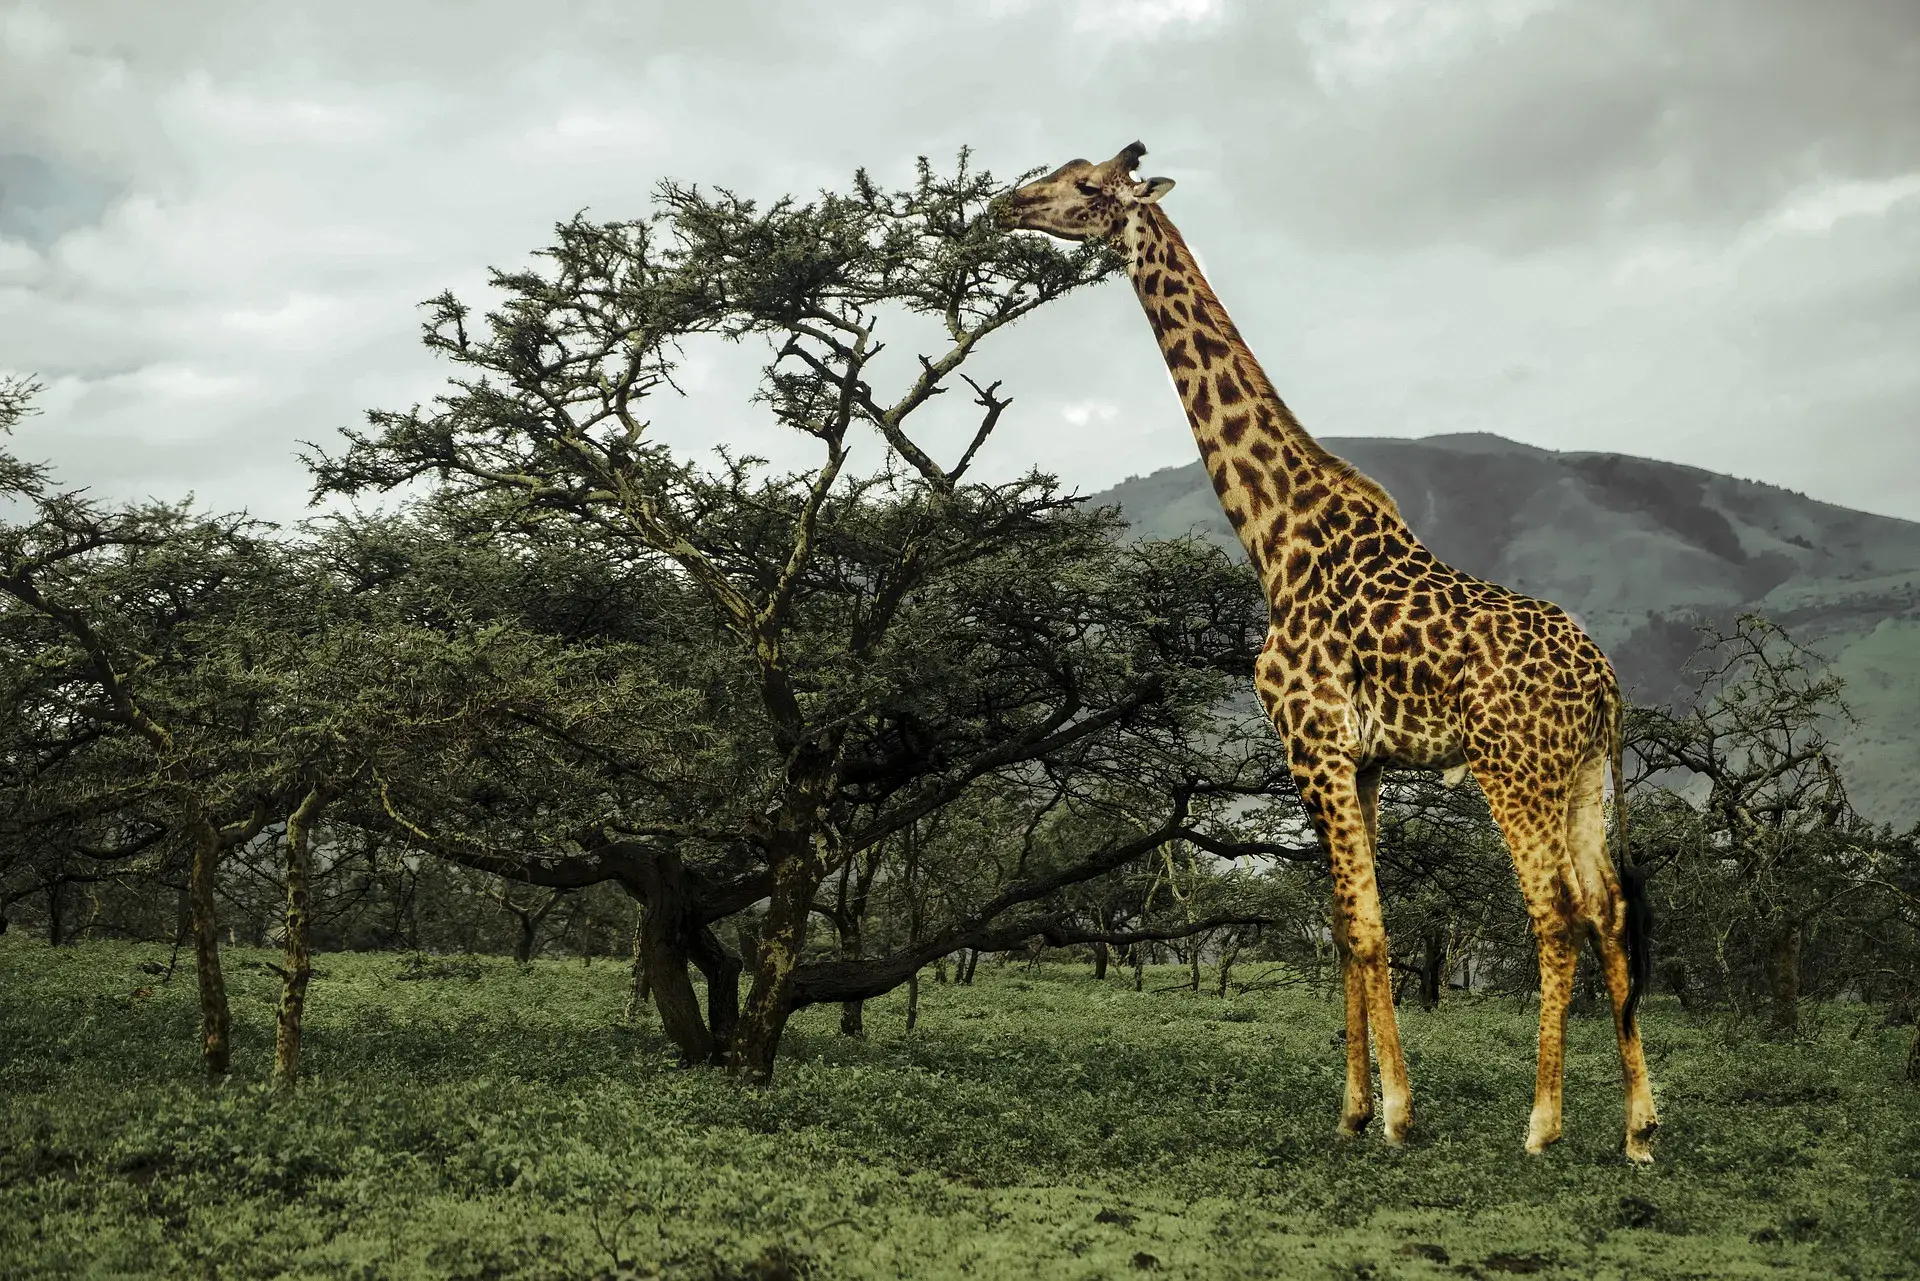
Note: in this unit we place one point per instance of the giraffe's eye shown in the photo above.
(1087, 188)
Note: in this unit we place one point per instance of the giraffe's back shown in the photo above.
(1406, 660)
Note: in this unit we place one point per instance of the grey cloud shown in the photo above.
(1592, 118)
(289, 180)
(42, 199)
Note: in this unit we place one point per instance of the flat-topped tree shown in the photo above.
(1378, 655)
(549, 420)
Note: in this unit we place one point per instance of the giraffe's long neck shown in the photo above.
(1268, 472)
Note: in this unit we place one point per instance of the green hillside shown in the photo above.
(1639, 550)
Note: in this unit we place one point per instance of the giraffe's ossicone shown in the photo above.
(1380, 655)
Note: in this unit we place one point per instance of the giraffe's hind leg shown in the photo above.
(1604, 909)
(1533, 818)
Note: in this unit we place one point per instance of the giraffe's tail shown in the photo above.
(1633, 878)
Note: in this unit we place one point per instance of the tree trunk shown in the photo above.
(853, 926)
(56, 913)
(664, 935)
(1433, 967)
(1139, 967)
(299, 967)
(853, 1020)
(721, 969)
(913, 1000)
(1099, 961)
(215, 1021)
(1680, 979)
(1227, 958)
(782, 936)
(1783, 977)
(638, 992)
(530, 920)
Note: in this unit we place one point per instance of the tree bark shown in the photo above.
(853, 928)
(664, 933)
(913, 1001)
(1783, 977)
(529, 921)
(299, 967)
(639, 991)
(721, 969)
(56, 913)
(215, 1022)
(1099, 961)
(1227, 958)
(1433, 966)
(782, 936)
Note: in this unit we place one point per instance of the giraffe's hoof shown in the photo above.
(1539, 1140)
(1353, 1125)
(1639, 1143)
(1543, 1129)
(1397, 1127)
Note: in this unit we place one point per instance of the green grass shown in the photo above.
(489, 1122)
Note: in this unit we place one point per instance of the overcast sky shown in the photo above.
(1689, 231)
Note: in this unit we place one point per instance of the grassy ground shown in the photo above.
(486, 1122)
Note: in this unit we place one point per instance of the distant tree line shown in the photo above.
(783, 738)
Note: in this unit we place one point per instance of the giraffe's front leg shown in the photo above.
(1558, 954)
(1357, 1110)
(1338, 798)
(1369, 935)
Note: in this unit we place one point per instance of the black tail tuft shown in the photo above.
(1633, 880)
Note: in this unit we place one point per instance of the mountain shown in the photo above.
(1640, 551)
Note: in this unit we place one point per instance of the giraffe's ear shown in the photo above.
(1151, 190)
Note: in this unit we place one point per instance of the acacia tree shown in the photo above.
(129, 605)
(550, 423)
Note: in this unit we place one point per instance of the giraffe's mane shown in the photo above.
(1337, 470)
(1356, 481)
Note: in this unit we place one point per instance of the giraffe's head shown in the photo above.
(1082, 201)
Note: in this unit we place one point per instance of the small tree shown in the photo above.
(130, 604)
(1783, 847)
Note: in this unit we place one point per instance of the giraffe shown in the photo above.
(1378, 654)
